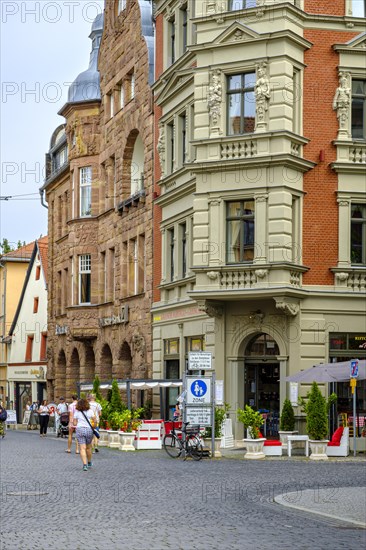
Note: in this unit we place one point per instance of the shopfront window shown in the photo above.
(172, 370)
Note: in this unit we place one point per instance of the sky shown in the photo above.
(44, 46)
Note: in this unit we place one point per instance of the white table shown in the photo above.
(292, 438)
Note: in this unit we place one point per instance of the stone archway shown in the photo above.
(106, 363)
(87, 373)
(124, 368)
(73, 373)
(60, 376)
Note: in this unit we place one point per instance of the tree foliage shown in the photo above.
(287, 422)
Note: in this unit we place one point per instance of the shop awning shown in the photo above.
(329, 372)
(147, 384)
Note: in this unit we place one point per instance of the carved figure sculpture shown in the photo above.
(341, 103)
(214, 98)
(262, 93)
(161, 149)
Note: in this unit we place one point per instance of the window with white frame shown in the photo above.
(358, 109)
(358, 234)
(240, 231)
(171, 45)
(184, 27)
(359, 8)
(241, 4)
(136, 273)
(241, 103)
(170, 147)
(183, 249)
(85, 179)
(85, 279)
(171, 254)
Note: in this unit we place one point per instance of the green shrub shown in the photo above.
(316, 409)
(116, 400)
(287, 422)
(220, 415)
(96, 390)
(251, 419)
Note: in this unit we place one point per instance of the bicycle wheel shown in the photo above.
(172, 445)
(194, 447)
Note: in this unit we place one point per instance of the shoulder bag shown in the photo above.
(95, 432)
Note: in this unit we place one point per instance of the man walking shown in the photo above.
(61, 408)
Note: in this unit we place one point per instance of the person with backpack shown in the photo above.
(3, 417)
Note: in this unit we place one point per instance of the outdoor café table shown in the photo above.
(292, 438)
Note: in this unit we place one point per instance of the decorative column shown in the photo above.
(260, 252)
(161, 149)
(214, 233)
(342, 104)
(214, 100)
(262, 95)
(344, 233)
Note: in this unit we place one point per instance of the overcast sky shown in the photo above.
(44, 46)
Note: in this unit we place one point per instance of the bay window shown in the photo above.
(85, 279)
(85, 178)
(241, 103)
(358, 234)
(240, 231)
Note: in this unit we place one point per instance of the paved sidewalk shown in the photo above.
(146, 501)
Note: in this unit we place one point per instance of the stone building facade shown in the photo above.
(100, 197)
(260, 134)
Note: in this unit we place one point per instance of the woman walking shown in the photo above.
(3, 417)
(44, 416)
(84, 432)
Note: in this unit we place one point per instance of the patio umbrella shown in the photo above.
(329, 372)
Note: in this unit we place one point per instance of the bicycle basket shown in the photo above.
(193, 429)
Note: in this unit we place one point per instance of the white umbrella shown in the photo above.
(329, 372)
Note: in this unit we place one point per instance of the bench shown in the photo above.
(339, 444)
(149, 435)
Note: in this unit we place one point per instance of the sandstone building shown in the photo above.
(99, 193)
(260, 131)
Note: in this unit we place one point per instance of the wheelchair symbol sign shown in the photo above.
(199, 391)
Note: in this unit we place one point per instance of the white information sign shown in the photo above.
(199, 415)
(12, 417)
(219, 392)
(198, 391)
(200, 360)
(294, 393)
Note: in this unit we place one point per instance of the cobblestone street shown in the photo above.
(145, 500)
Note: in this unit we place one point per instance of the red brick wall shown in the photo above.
(320, 213)
(325, 7)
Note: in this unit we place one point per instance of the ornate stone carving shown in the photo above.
(261, 273)
(138, 343)
(212, 275)
(288, 308)
(256, 317)
(341, 104)
(342, 277)
(210, 308)
(262, 95)
(214, 99)
(161, 149)
(343, 202)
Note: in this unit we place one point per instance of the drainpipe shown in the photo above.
(41, 192)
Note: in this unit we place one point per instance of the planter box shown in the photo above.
(126, 441)
(318, 449)
(103, 440)
(254, 448)
(360, 444)
(113, 439)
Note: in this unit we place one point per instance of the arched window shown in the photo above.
(137, 167)
(261, 345)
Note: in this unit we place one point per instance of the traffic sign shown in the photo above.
(199, 415)
(354, 369)
(200, 360)
(199, 391)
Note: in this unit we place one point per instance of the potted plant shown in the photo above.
(252, 421)
(104, 426)
(220, 415)
(129, 423)
(316, 409)
(287, 422)
(115, 408)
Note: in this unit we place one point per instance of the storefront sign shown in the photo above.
(199, 415)
(59, 330)
(294, 393)
(12, 417)
(37, 372)
(115, 319)
(200, 360)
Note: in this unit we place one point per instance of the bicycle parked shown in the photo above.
(186, 441)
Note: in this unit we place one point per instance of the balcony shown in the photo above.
(229, 282)
(351, 156)
(351, 279)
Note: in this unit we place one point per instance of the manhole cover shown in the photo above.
(26, 494)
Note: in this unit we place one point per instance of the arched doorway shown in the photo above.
(60, 376)
(261, 377)
(73, 374)
(106, 363)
